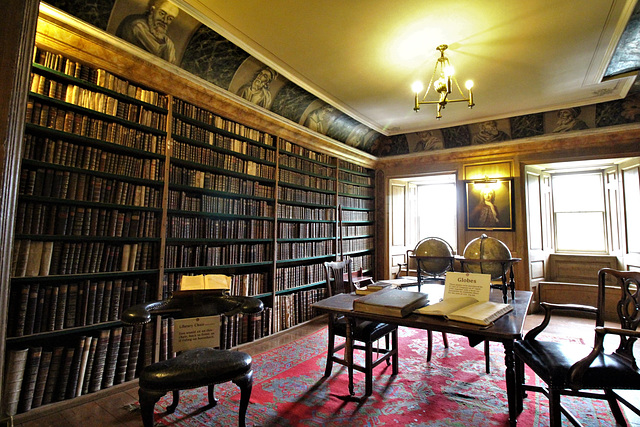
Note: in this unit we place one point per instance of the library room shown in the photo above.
(277, 214)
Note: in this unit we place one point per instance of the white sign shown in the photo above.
(473, 285)
(196, 332)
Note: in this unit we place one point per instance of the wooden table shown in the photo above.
(505, 330)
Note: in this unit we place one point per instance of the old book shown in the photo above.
(148, 344)
(45, 260)
(74, 373)
(35, 258)
(61, 306)
(97, 373)
(123, 355)
(41, 379)
(132, 363)
(29, 380)
(54, 371)
(205, 281)
(466, 299)
(32, 306)
(111, 361)
(21, 296)
(37, 321)
(16, 364)
(390, 302)
(65, 371)
(89, 366)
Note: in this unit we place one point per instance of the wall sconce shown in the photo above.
(443, 85)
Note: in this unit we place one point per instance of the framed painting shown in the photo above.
(490, 204)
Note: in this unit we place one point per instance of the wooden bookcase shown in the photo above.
(123, 190)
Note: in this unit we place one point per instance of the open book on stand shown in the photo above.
(205, 282)
(390, 302)
(466, 299)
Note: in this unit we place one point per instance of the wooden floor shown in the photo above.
(107, 407)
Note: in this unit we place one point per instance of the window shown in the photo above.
(436, 208)
(579, 212)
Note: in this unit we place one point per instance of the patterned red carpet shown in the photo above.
(451, 390)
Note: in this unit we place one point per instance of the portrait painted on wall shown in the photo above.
(159, 27)
(490, 204)
(257, 83)
(318, 116)
(490, 131)
(426, 140)
(570, 119)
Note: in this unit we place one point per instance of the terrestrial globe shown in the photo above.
(434, 247)
(485, 247)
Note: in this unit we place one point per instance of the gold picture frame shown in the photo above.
(489, 204)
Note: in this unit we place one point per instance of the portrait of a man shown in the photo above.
(489, 205)
(489, 132)
(568, 120)
(149, 30)
(257, 90)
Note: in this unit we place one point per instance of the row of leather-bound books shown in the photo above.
(97, 76)
(204, 255)
(207, 117)
(38, 307)
(59, 152)
(38, 375)
(207, 180)
(49, 258)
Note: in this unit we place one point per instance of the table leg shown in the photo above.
(348, 353)
(511, 378)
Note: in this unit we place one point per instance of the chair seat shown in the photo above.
(365, 331)
(552, 361)
(195, 368)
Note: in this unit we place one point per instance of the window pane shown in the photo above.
(580, 232)
(579, 192)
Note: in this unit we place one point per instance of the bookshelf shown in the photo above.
(355, 194)
(306, 222)
(221, 210)
(87, 231)
(122, 191)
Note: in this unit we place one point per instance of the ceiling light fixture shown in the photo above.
(442, 85)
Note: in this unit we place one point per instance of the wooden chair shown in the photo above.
(576, 369)
(365, 332)
(196, 367)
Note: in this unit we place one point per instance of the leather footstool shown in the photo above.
(192, 369)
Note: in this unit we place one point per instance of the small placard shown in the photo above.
(473, 285)
(195, 332)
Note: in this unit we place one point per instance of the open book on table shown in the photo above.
(466, 299)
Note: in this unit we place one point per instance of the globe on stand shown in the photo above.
(434, 247)
(485, 247)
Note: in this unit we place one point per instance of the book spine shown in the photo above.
(16, 364)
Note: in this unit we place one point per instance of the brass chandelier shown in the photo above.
(444, 73)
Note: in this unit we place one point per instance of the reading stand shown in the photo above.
(197, 367)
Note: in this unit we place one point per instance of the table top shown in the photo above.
(507, 328)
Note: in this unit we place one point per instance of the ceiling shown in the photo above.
(362, 56)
